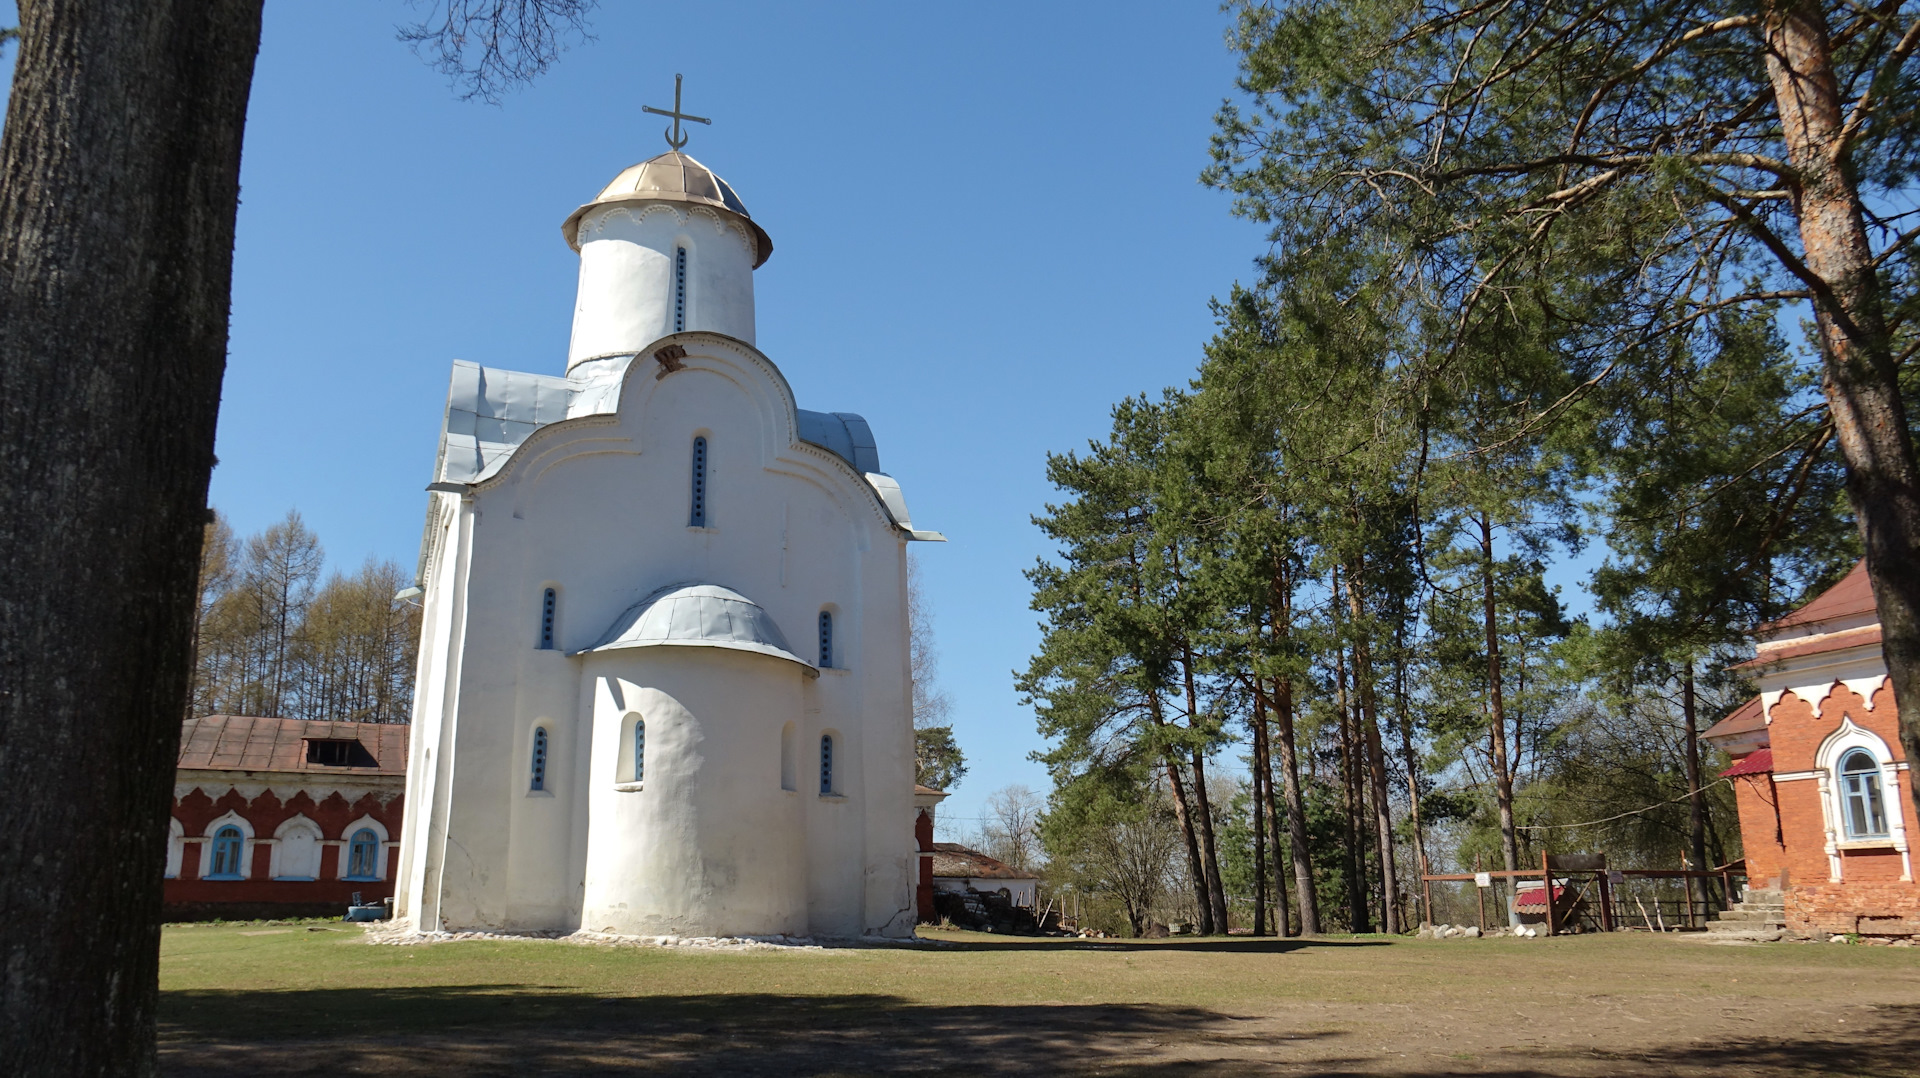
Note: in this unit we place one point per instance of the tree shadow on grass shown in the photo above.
(1211, 944)
(535, 1029)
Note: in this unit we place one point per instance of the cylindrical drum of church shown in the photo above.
(694, 830)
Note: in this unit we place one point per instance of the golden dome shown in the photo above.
(673, 177)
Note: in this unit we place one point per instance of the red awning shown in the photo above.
(1758, 762)
(1534, 899)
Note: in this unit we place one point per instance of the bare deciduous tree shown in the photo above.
(487, 47)
(1011, 831)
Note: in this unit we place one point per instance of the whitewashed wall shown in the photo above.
(597, 507)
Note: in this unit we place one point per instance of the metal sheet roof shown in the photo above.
(1852, 596)
(491, 411)
(843, 434)
(259, 743)
(698, 615)
(1757, 762)
(956, 862)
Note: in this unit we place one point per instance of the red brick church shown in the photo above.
(1825, 793)
(283, 817)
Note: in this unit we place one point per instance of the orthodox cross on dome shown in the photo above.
(675, 138)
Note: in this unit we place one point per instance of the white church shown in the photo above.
(663, 684)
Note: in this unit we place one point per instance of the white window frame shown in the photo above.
(345, 844)
(246, 847)
(1835, 748)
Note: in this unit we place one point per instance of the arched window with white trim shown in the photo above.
(697, 517)
(826, 764)
(826, 640)
(363, 855)
(227, 847)
(1862, 806)
(537, 779)
(549, 606)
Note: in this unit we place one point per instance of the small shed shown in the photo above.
(957, 868)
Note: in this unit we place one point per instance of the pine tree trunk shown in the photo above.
(1861, 376)
(1376, 763)
(1358, 919)
(1299, 851)
(1216, 893)
(1496, 708)
(1696, 797)
(1259, 818)
(1270, 807)
(1183, 815)
(1412, 762)
(1203, 807)
(119, 182)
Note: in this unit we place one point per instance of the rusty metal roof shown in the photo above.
(1853, 595)
(1744, 719)
(954, 861)
(258, 743)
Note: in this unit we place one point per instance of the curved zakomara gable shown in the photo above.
(734, 360)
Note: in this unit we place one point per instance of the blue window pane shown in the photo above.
(698, 517)
(826, 639)
(363, 855)
(639, 750)
(1864, 812)
(539, 781)
(826, 764)
(679, 289)
(228, 844)
(546, 620)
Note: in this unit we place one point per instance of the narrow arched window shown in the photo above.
(363, 855)
(1864, 811)
(639, 750)
(538, 781)
(547, 603)
(826, 763)
(679, 289)
(228, 844)
(698, 517)
(826, 639)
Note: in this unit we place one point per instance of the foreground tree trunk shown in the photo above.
(119, 181)
(1861, 375)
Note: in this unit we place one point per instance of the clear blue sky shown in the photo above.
(987, 222)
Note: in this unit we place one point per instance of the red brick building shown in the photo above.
(1825, 792)
(925, 800)
(283, 817)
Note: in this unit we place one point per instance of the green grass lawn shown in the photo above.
(315, 998)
